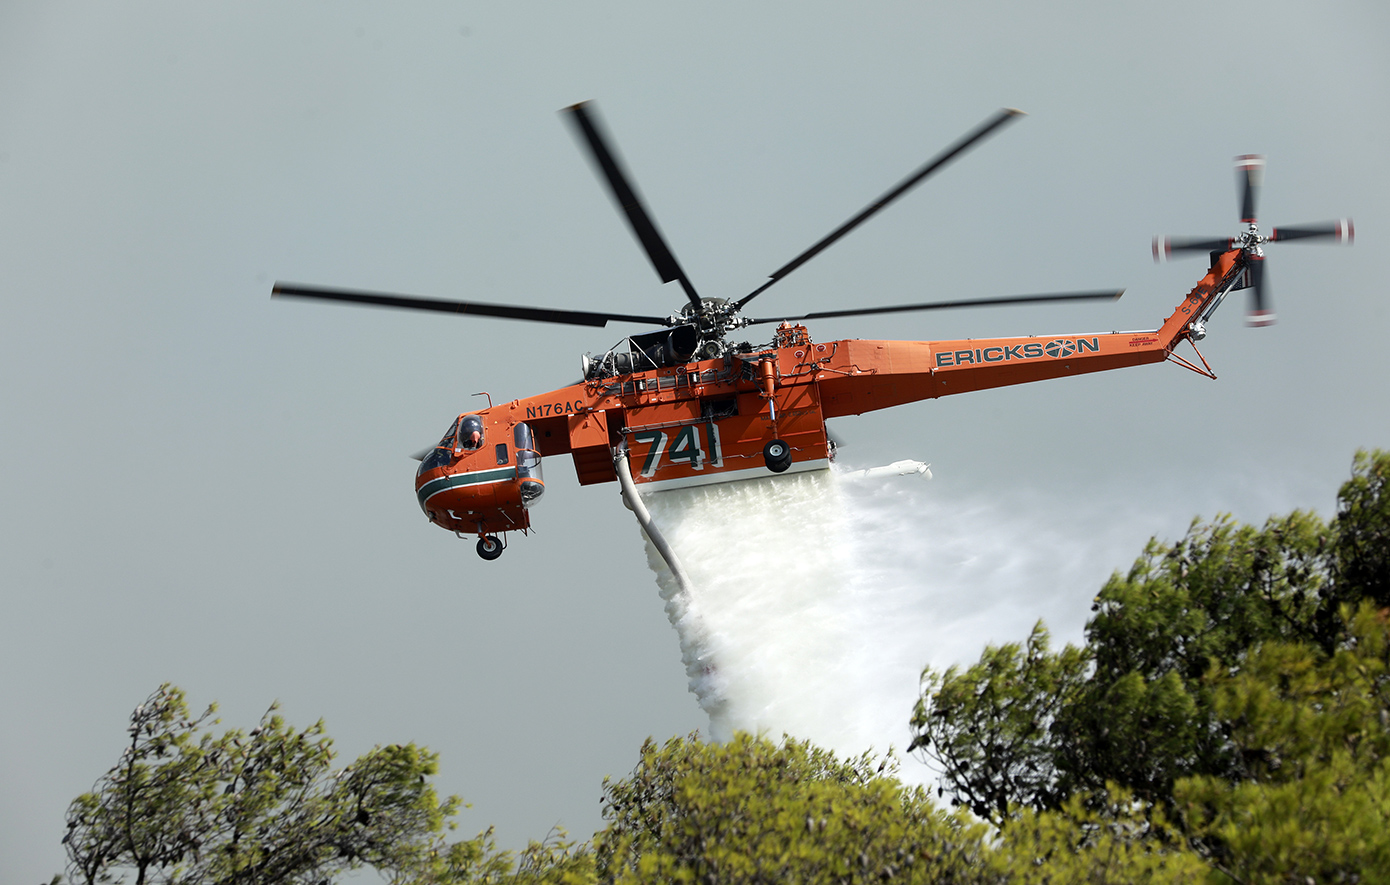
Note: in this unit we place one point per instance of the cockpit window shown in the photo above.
(438, 457)
(442, 454)
(470, 433)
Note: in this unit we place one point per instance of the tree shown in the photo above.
(1101, 838)
(1315, 802)
(990, 729)
(187, 806)
(754, 811)
(1134, 706)
(1361, 544)
(262, 807)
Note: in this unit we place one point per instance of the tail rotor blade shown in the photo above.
(1341, 230)
(1261, 312)
(626, 197)
(1164, 247)
(1250, 173)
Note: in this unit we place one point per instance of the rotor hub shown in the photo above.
(1251, 240)
(713, 317)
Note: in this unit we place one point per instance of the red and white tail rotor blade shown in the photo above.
(1165, 247)
(1250, 173)
(1341, 230)
(1261, 309)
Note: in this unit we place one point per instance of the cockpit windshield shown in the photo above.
(442, 454)
(470, 433)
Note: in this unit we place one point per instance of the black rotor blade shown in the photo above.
(627, 199)
(942, 305)
(1166, 246)
(901, 188)
(1250, 173)
(474, 308)
(1261, 309)
(1341, 230)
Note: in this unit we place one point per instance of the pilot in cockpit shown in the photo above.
(470, 435)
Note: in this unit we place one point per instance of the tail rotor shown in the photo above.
(1249, 179)
(1250, 173)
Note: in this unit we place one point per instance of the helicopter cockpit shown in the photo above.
(470, 433)
(464, 435)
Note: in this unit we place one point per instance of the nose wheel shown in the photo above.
(490, 547)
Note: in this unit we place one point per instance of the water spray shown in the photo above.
(897, 468)
(808, 604)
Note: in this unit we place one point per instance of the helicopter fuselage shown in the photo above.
(710, 421)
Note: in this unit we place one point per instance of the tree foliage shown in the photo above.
(1228, 680)
(994, 724)
(1314, 731)
(1361, 546)
(754, 811)
(751, 811)
(1099, 838)
(184, 805)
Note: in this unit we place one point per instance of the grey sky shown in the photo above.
(204, 486)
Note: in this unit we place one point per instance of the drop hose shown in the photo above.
(644, 518)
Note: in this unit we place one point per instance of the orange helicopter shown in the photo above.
(692, 407)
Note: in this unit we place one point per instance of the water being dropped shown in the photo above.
(761, 634)
(816, 602)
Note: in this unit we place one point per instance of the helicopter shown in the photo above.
(691, 406)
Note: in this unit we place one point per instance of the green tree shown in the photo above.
(754, 811)
(1361, 543)
(991, 729)
(1144, 717)
(1314, 730)
(188, 806)
(259, 807)
(554, 860)
(1097, 839)
(1134, 706)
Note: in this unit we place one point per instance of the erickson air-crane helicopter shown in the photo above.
(692, 407)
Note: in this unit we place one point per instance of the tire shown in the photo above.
(489, 547)
(777, 455)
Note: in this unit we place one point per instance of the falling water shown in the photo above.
(816, 601)
(761, 633)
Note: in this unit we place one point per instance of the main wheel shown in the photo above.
(489, 547)
(777, 455)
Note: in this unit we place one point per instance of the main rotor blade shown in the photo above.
(942, 305)
(1250, 173)
(901, 188)
(1166, 246)
(474, 308)
(1342, 231)
(626, 197)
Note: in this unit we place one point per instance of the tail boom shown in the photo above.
(869, 375)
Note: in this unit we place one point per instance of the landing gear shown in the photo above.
(777, 455)
(490, 547)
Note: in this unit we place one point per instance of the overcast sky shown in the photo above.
(203, 486)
